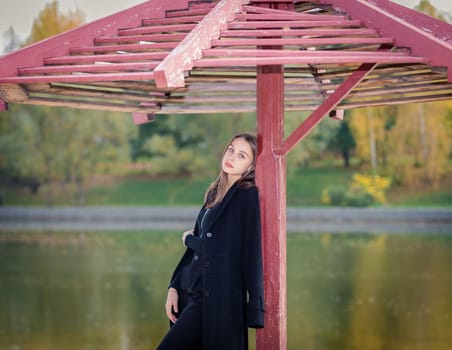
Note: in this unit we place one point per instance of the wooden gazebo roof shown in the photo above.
(200, 57)
(268, 56)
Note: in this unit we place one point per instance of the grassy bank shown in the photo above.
(304, 188)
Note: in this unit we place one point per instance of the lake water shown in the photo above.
(99, 291)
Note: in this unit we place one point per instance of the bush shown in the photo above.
(364, 190)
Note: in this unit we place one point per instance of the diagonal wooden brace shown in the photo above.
(329, 104)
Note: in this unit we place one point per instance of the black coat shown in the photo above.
(233, 295)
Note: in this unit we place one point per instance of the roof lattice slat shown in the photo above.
(201, 57)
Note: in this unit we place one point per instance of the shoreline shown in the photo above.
(299, 219)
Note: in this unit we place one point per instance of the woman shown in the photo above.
(216, 291)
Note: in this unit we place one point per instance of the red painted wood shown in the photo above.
(296, 32)
(128, 57)
(294, 53)
(124, 47)
(34, 54)
(259, 61)
(288, 16)
(82, 78)
(292, 24)
(132, 38)
(189, 12)
(302, 41)
(265, 10)
(278, 2)
(194, 4)
(436, 27)
(109, 67)
(157, 29)
(409, 33)
(170, 73)
(174, 20)
(271, 180)
(330, 103)
(142, 118)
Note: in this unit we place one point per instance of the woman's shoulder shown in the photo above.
(249, 190)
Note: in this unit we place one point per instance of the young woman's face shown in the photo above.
(237, 159)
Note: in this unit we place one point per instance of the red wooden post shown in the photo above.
(271, 179)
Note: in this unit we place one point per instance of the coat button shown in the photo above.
(206, 293)
(195, 258)
(206, 264)
(209, 235)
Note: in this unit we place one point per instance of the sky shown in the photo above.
(20, 13)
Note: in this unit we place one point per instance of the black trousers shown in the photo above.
(186, 333)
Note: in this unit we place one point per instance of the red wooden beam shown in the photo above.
(117, 57)
(266, 10)
(406, 26)
(142, 118)
(157, 29)
(82, 78)
(287, 16)
(189, 12)
(256, 61)
(109, 67)
(173, 20)
(295, 53)
(170, 73)
(293, 24)
(132, 38)
(34, 54)
(303, 41)
(297, 32)
(271, 180)
(123, 47)
(329, 104)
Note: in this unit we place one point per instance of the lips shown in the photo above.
(228, 165)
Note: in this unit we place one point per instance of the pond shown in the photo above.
(99, 291)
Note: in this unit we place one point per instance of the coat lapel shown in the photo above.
(224, 203)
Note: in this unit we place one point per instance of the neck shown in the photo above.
(231, 181)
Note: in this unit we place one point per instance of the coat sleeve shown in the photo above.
(178, 274)
(252, 261)
(194, 242)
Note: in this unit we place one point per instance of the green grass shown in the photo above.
(437, 198)
(142, 191)
(304, 188)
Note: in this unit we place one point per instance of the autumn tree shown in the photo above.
(50, 21)
(410, 142)
(60, 148)
(426, 7)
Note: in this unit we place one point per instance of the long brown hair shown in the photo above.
(218, 189)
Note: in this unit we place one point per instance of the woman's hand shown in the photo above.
(171, 304)
(185, 234)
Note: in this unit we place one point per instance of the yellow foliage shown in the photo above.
(374, 185)
(412, 141)
(51, 22)
(325, 199)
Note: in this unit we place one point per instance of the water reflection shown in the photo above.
(101, 291)
(370, 292)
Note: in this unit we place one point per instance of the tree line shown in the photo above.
(66, 148)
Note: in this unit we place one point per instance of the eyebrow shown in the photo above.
(232, 145)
